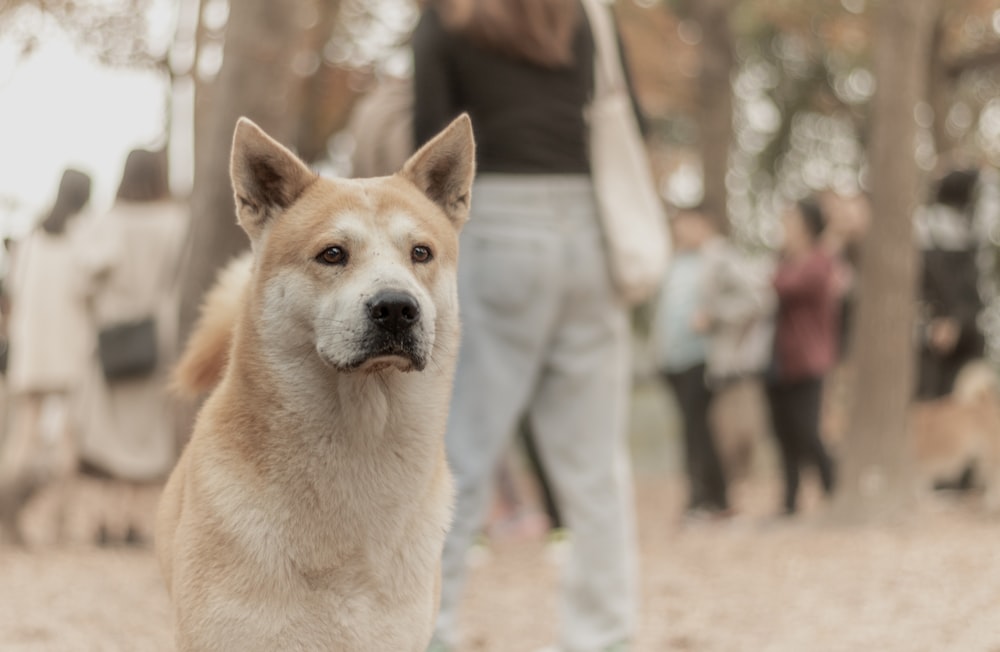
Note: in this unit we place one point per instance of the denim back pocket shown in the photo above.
(506, 268)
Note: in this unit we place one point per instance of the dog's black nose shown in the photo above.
(394, 311)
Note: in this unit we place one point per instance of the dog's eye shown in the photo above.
(421, 254)
(332, 256)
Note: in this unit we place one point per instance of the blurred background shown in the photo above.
(751, 104)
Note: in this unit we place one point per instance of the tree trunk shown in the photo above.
(876, 480)
(715, 104)
(255, 80)
(312, 131)
(203, 97)
(940, 85)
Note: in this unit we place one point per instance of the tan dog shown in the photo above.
(309, 509)
(961, 432)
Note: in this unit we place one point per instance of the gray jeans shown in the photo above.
(543, 334)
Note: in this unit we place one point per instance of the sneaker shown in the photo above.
(558, 547)
(707, 515)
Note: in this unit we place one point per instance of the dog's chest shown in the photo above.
(338, 537)
(326, 574)
(348, 619)
(369, 582)
(349, 514)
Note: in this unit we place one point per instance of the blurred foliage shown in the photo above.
(115, 32)
(373, 34)
(802, 86)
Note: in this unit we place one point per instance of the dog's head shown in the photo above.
(359, 272)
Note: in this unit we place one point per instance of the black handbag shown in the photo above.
(128, 350)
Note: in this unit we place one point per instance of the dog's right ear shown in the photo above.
(267, 178)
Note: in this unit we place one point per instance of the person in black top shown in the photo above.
(543, 331)
(949, 286)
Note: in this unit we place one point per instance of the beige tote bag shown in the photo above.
(632, 213)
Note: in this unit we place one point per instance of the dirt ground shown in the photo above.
(757, 584)
(752, 583)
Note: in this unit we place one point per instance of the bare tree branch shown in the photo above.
(976, 61)
(114, 32)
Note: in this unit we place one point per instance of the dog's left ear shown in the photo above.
(267, 178)
(444, 168)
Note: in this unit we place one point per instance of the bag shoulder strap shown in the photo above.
(609, 75)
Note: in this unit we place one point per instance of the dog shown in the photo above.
(956, 438)
(308, 510)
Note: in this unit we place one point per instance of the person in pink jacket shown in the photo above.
(805, 346)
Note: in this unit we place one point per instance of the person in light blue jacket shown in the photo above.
(681, 342)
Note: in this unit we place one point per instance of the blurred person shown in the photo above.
(51, 344)
(546, 493)
(543, 330)
(8, 246)
(517, 507)
(8, 256)
(736, 311)
(805, 346)
(680, 331)
(524, 506)
(129, 430)
(950, 301)
(382, 127)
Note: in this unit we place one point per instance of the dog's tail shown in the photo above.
(206, 353)
(976, 382)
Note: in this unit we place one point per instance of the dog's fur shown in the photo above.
(959, 434)
(309, 509)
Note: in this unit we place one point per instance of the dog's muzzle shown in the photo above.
(394, 318)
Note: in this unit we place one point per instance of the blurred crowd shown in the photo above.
(89, 317)
(750, 344)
